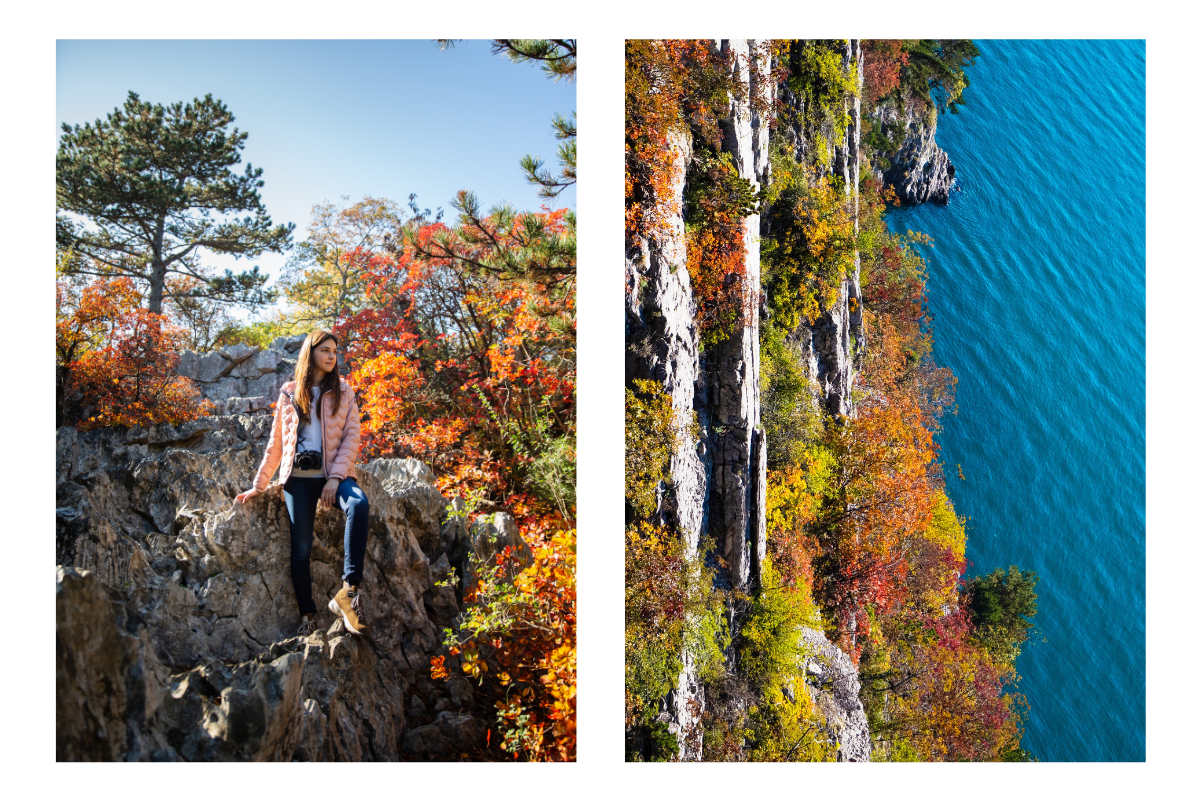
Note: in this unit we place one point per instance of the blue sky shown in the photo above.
(333, 118)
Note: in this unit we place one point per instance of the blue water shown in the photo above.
(1037, 282)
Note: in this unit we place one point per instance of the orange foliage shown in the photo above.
(884, 496)
(518, 641)
(670, 85)
(472, 370)
(953, 705)
(116, 361)
(882, 60)
(464, 371)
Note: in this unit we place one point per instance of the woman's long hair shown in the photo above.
(306, 371)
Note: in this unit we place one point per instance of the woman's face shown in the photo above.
(324, 357)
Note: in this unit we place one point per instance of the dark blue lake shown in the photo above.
(1037, 282)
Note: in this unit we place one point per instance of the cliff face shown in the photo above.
(828, 346)
(919, 171)
(718, 480)
(729, 397)
(176, 617)
(663, 345)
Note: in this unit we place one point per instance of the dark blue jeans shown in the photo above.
(301, 496)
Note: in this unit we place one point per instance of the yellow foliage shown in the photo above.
(785, 729)
(794, 493)
(946, 529)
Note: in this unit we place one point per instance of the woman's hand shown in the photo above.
(329, 492)
(244, 496)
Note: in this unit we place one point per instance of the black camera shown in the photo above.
(309, 459)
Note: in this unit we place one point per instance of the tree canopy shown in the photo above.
(155, 188)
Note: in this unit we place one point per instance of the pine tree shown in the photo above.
(155, 184)
(557, 58)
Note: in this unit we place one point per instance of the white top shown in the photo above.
(308, 437)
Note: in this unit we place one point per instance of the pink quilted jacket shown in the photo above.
(340, 437)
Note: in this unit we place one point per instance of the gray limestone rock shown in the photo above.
(109, 683)
(263, 362)
(290, 344)
(176, 614)
(189, 364)
(246, 405)
(226, 388)
(833, 685)
(299, 699)
(237, 353)
(733, 411)
(267, 385)
(919, 171)
(208, 368)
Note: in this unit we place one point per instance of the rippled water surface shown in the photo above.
(1037, 284)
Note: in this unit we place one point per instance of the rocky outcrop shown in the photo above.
(240, 378)
(662, 342)
(732, 413)
(919, 171)
(829, 345)
(832, 682)
(177, 619)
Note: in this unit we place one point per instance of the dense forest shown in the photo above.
(862, 542)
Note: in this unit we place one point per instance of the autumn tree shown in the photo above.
(671, 86)
(882, 60)
(502, 243)
(517, 641)
(115, 361)
(465, 354)
(326, 277)
(812, 246)
(951, 700)
(150, 188)
(467, 370)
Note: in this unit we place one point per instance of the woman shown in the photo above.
(315, 453)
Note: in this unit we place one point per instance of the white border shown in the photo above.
(1171, 430)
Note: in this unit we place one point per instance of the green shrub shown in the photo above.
(785, 175)
(256, 334)
(552, 473)
(899, 750)
(662, 745)
(769, 652)
(1002, 609)
(789, 417)
(823, 86)
(649, 440)
(671, 607)
(715, 189)
(809, 252)
(936, 71)
(784, 728)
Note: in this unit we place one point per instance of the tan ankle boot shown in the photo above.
(347, 604)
